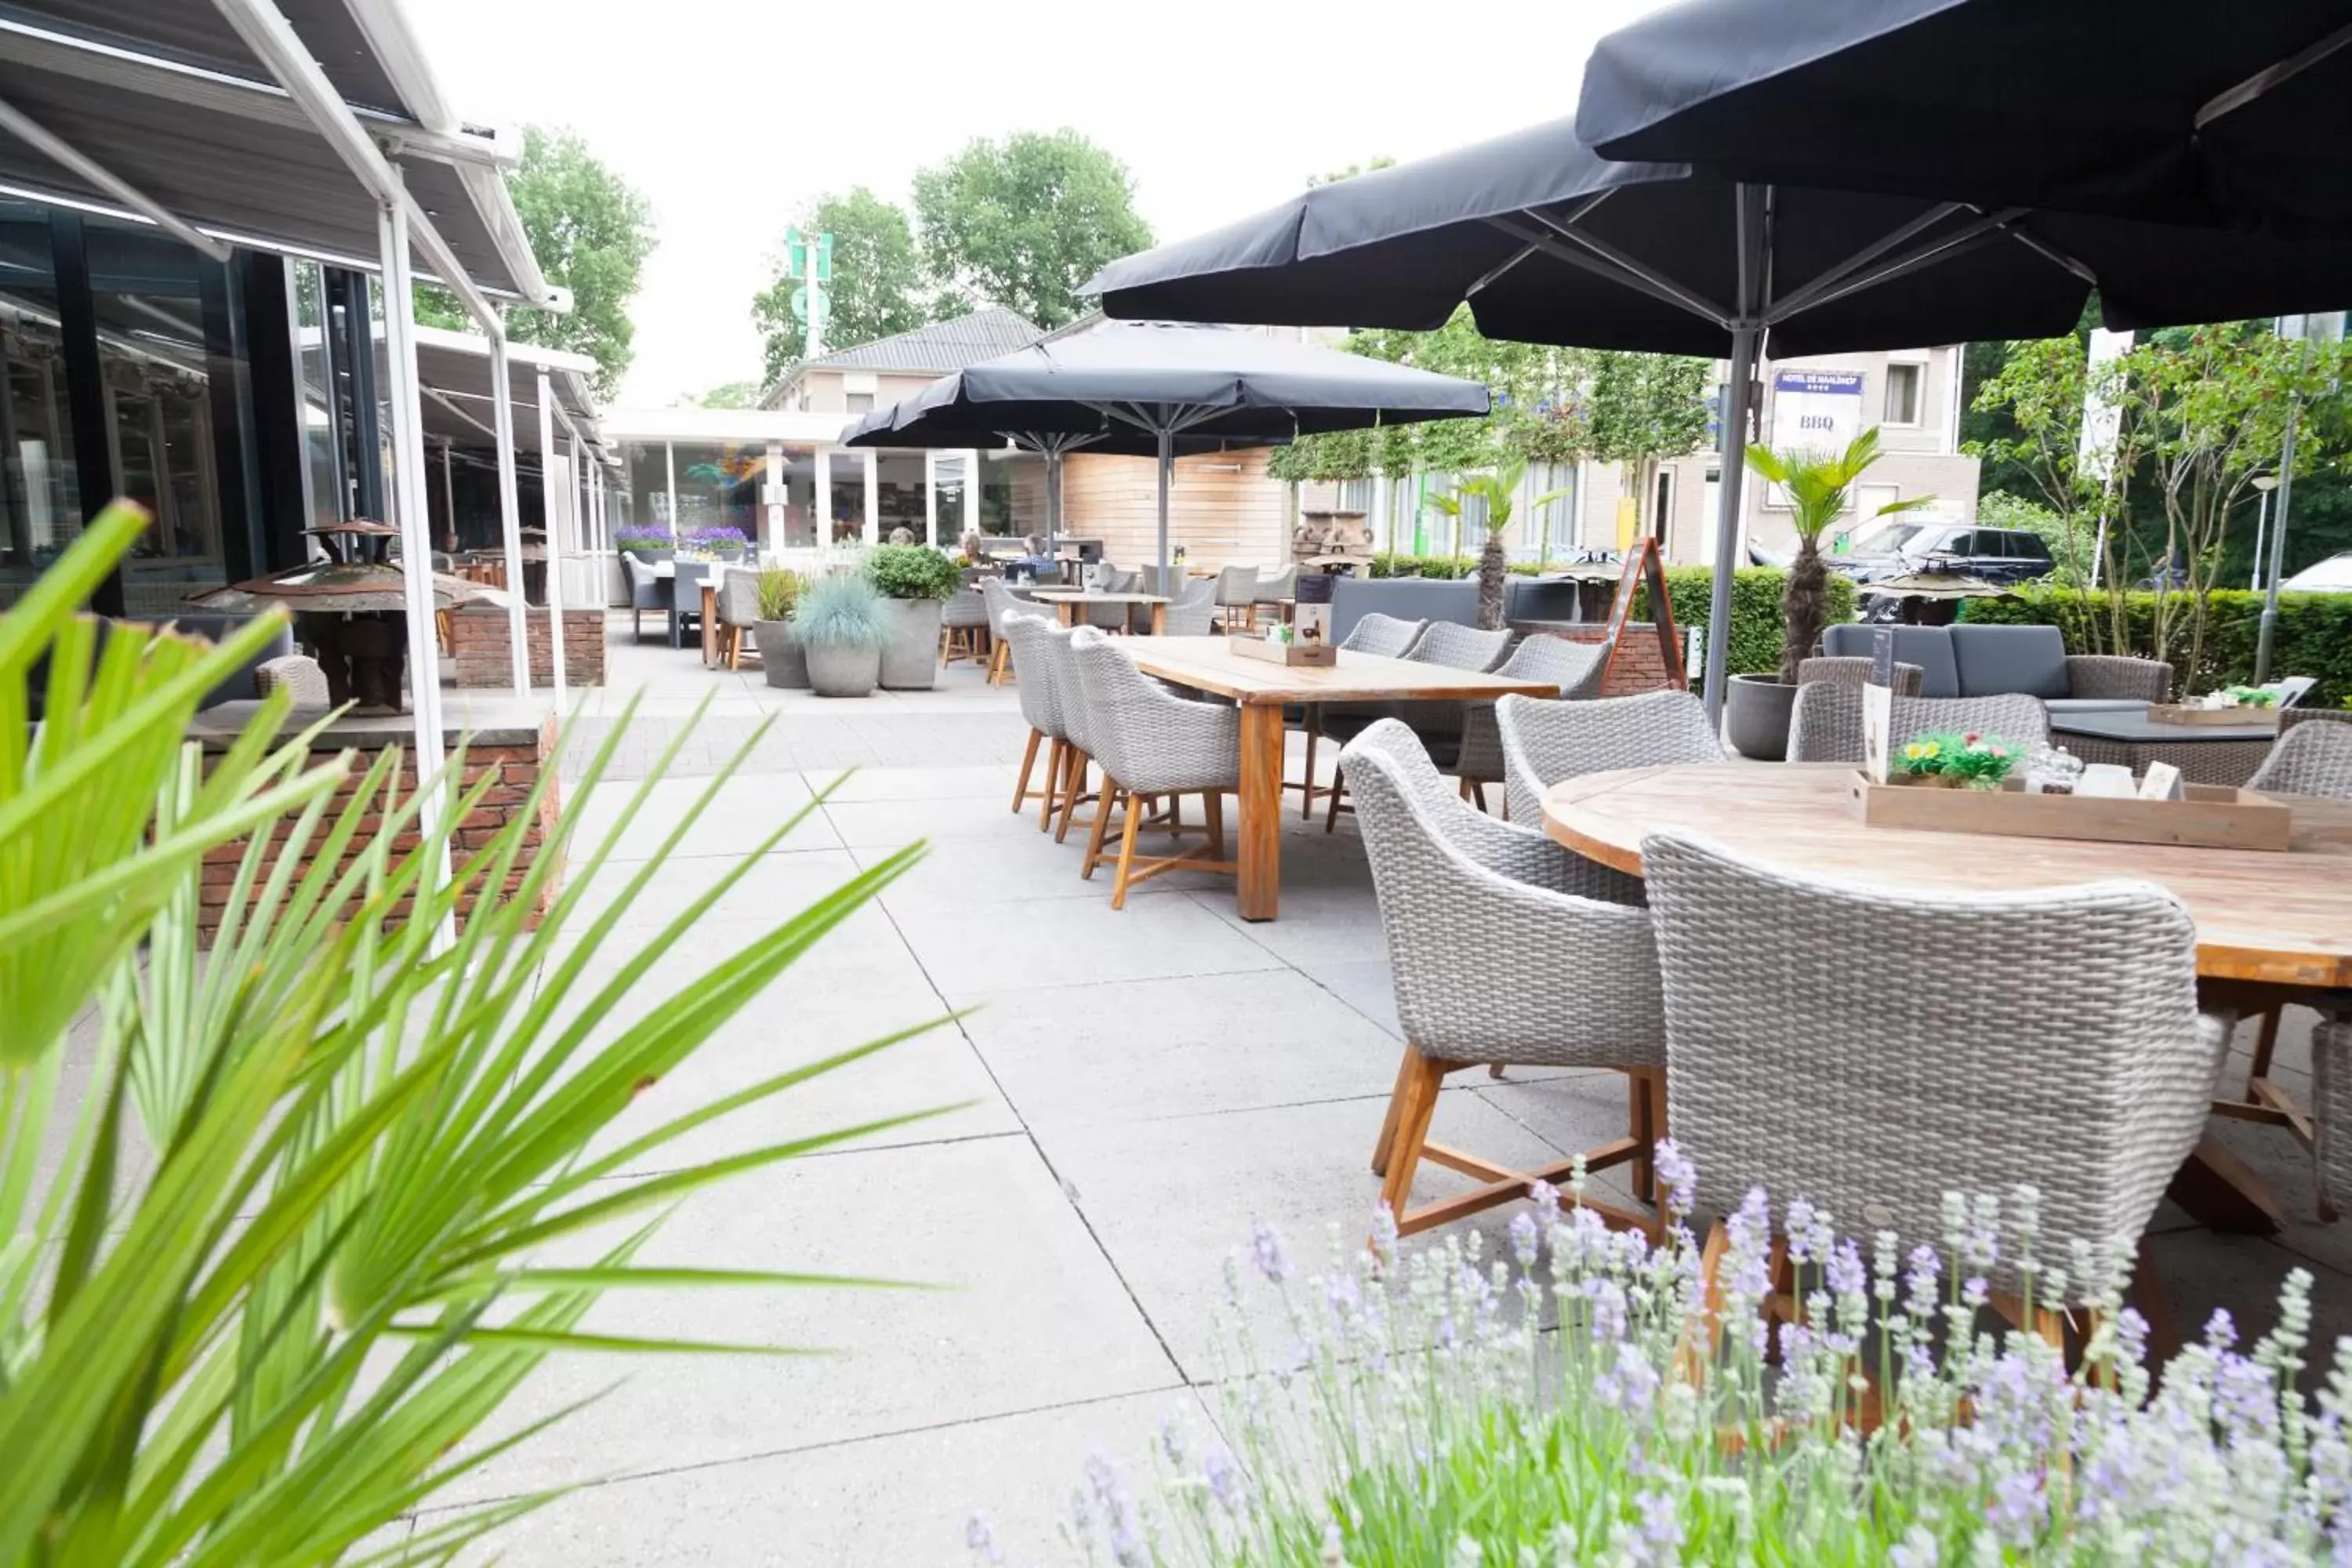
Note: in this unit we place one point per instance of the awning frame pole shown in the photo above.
(1746, 331)
(510, 515)
(72, 159)
(547, 494)
(416, 544)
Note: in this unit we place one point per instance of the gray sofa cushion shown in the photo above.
(1996, 659)
(1407, 598)
(1540, 599)
(1929, 647)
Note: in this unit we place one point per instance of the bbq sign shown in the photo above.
(1816, 410)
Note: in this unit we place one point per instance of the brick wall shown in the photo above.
(511, 759)
(478, 648)
(1640, 665)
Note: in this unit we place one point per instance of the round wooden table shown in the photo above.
(2271, 926)
(2262, 917)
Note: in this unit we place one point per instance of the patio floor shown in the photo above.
(1132, 1090)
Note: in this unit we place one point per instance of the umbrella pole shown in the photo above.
(2268, 633)
(1052, 499)
(510, 515)
(1166, 478)
(1728, 490)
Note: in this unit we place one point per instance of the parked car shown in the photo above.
(2333, 576)
(1914, 541)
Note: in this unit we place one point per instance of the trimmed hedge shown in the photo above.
(2315, 634)
(1757, 630)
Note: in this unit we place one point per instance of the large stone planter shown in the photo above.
(912, 660)
(780, 655)
(836, 669)
(1755, 717)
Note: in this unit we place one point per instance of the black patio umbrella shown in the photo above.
(1549, 242)
(2173, 110)
(1171, 383)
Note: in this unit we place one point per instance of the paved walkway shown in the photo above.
(1130, 1092)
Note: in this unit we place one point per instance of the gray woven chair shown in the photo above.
(2331, 1105)
(648, 591)
(1192, 612)
(1577, 669)
(1446, 643)
(1151, 743)
(1872, 1050)
(298, 674)
(739, 607)
(1847, 670)
(2294, 718)
(1113, 617)
(963, 627)
(2309, 759)
(1825, 722)
(1237, 596)
(997, 601)
(1032, 637)
(1544, 742)
(686, 598)
(1273, 588)
(1383, 637)
(1449, 878)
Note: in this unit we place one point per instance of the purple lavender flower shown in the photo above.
(1915, 1550)
(1265, 1248)
(1846, 1275)
(979, 1535)
(1223, 1478)
(1659, 1537)
(1524, 1238)
(1677, 1178)
(2221, 1330)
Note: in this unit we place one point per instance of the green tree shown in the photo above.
(592, 233)
(730, 394)
(1489, 499)
(1641, 409)
(877, 289)
(1023, 222)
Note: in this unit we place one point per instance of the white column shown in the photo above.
(449, 493)
(930, 498)
(970, 492)
(551, 493)
(415, 545)
(873, 531)
(823, 503)
(779, 486)
(669, 475)
(509, 514)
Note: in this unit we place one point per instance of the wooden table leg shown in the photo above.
(1069, 612)
(709, 624)
(2221, 1191)
(1159, 620)
(1259, 890)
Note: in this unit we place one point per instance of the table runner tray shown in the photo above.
(1317, 656)
(2212, 816)
(2190, 718)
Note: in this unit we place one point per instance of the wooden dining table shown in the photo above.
(1262, 689)
(2273, 926)
(1073, 604)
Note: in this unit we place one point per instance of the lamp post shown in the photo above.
(2263, 485)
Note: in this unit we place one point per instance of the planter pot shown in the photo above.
(910, 662)
(781, 654)
(1755, 717)
(837, 670)
(660, 553)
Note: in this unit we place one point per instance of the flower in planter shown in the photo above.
(643, 538)
(1972, 761)
(719, 541)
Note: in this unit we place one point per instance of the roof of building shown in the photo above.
(939, 348)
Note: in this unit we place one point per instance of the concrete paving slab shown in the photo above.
(744, 811)
(990, 781)
(1364, 983)
(1051, 942)
(886, 824)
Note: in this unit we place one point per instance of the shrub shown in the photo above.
(643, 538)
(841, 610)
(912, 572)
(778, 588)
(291, 1327)
(1416, 1410)
(2314, 636)
(1757, 628)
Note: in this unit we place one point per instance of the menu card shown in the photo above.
(1878, 706)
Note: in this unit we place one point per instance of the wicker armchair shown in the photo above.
(1192, 613)
(1798, 1062)
(1825, 723)
(1449, 878)
(2309, 759)
(1041, 706)
(1446, 643)
(1237, 596)
(1852, 671)
(1152, 742)
(648, 591)
(2331, 1105)
(1577, 669)
(686, 598)
(2113, 675)
(1273, 588)
(1457, 647)
(963, 627)
(1383, 637)
(1544, 742)
(298, 674)
(997, 601)
(739, 606)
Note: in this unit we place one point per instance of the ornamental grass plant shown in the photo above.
(1576, 1400)
(293, 1212)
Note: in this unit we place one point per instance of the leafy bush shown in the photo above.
(841, 609)
(1757, 629)
(912, 572)
(289, 1328)
(778, 588)
(1414, 1410)
(2314, 637)
(643, 538)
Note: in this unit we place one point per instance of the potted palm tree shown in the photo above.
(1820, 484)
(914, 581)
(842, 624)
(1498, 489)
(779, 650)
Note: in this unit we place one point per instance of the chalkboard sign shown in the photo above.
(1643, 565)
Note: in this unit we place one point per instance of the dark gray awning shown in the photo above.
(195, 33)
(454, 369)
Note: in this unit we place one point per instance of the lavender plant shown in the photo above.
(1574, 1402)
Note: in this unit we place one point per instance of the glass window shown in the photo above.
(997, 471)
(41, 500)
(718, 485)
(899, 477)
(1904, 382)
(949, 478)
(848, 498)
(860, 402)
(324, 486)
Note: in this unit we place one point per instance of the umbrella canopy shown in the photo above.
(1128, 386)
(338, 587)
(2176, 110)
(1549, 242)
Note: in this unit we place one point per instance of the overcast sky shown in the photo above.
(729, 116)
